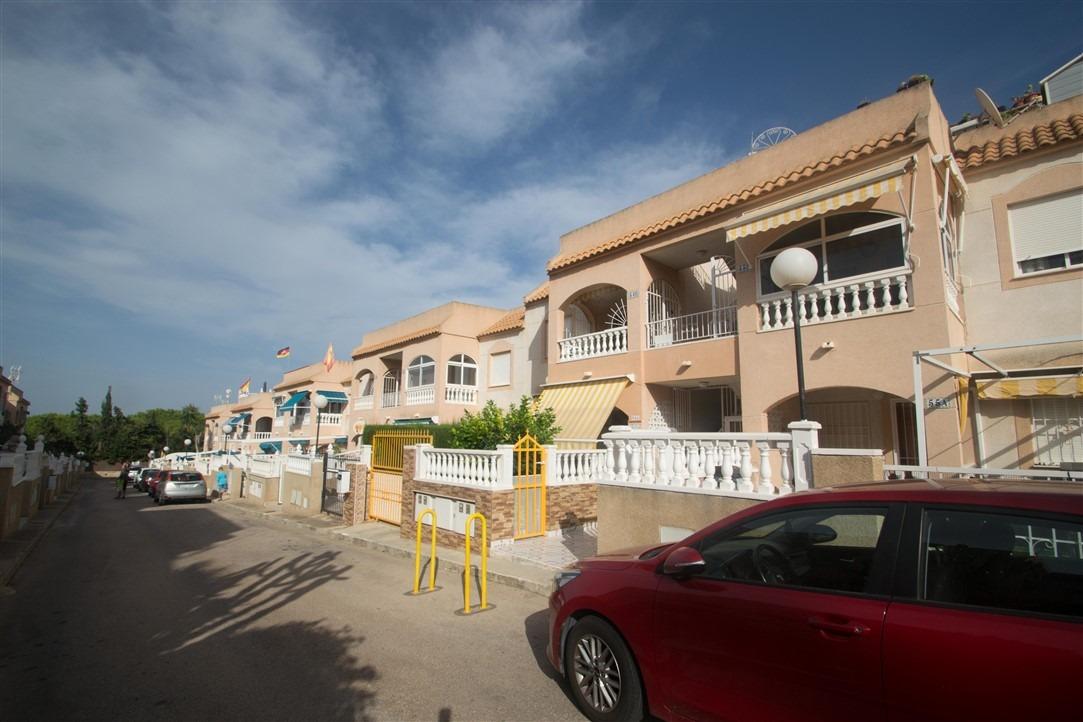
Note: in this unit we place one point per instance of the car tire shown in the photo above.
(594, 646)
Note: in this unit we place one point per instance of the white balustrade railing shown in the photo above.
(470, 467)
(299, 463)
(602, 343)
(261, 435)
(362, 403)
(839, 302)
(750, 463)
(267, 465)
(715, 323)
(330, 419)
(456, 394)
(420, 395)
(576, 466)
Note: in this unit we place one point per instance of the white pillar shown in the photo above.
(806, 436)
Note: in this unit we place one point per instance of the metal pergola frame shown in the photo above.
(974, 352)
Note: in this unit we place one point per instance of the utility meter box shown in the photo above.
(343, 484)
(451, 514)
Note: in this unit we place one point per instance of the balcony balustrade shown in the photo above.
(456, 394)
(590, 345)
(362, 403)
(839, 302)
(261, 435)
(420, 395)
(330, 419)
(389, 399)
(715, 323)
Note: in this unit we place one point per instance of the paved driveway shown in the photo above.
(131, 611)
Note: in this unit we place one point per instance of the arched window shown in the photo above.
(421, 372)
(462, 371)
(366, 382)
(846, 245)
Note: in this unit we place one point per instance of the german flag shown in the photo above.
(283, 352)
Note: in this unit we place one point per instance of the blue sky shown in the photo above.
(187, 187)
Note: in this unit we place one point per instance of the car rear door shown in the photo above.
(988, 624)
(804, 646)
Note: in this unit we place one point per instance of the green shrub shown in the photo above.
(491, 426)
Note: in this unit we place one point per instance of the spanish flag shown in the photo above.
(329, 357)
(242, 390)
(283, 352)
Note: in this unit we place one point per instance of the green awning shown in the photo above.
(293, 400)
(337, 396)
(299, 442)
(270, 447)
(341, 439)
(239, 419)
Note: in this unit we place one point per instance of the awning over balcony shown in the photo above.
(299, 442)
(333, 395)
(239, 419)
(1036, 387)
(341, 440)
(866, 186)
(582, 407)
(293, 400)
(270, 447)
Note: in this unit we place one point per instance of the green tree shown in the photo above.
(84, 431)
(105, 427)
(491, 426)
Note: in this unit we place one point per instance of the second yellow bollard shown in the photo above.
(483, 584)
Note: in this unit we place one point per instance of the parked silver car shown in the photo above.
(180, 485)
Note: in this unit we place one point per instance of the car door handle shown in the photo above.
(842, 629)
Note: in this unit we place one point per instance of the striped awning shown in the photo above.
(582, 407)
(1022, 388)
(873, 184)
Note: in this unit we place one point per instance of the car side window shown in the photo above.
(829, 548)
(1003, 561)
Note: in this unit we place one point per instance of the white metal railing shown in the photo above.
(576, 466)
(389, 399)
(601, 343)
(751, 463)
(261, 435)
(330, 419)
(715, 323)
(420, 395)
(362, 403)
(470, 467)
(839, 301)
(456, 394)
(299, 463)
(899, 471)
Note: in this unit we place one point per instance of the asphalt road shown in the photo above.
(130, 611)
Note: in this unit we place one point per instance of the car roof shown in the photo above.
(1022, 493)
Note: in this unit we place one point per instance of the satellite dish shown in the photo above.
(769, 137)
(989, 107)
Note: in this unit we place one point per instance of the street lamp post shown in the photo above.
(793, 270)
(320, 402)
(226, 431)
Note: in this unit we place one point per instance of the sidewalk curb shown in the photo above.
(508, 580)
(6, 575)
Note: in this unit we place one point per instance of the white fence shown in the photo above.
(30, 464)
(457, 394)
(882, 294)
(266, 465)
(299, 464)
(420, 395)
(468, 467)
(600, 343)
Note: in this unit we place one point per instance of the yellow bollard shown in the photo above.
(484, 564)
(432, 552)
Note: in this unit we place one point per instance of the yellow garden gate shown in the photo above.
(529, 481)
(385, 474)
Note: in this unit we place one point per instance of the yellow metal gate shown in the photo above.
(529, 480)
(385, 474)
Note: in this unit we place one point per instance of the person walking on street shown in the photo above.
(122, 481)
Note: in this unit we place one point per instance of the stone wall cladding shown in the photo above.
(570, 505)
(354, 509)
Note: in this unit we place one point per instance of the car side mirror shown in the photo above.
(821, 534)
(683, 562)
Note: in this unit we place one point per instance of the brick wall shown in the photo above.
(571, 505)
(353, 504)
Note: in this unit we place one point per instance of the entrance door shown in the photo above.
(385, 475)
(530, 494)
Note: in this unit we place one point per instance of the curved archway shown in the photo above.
(595, 308)
(263, 425)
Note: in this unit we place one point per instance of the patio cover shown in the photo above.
(1034, 387)
(333, 395)
(822, 200)
(293, 400)
(582, 406)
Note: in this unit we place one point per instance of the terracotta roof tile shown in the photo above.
(537, 294)
(859, 151)
(1023, 140)
(381, 345)
(513, 320)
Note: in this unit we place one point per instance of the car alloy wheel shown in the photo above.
(597, 673)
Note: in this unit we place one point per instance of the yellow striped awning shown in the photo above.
(582, 407)
(818, 207)
(1030, 387)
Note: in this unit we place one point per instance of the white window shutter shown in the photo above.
(1047, 226)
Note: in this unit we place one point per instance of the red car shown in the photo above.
(149, 480)
(912, 601)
